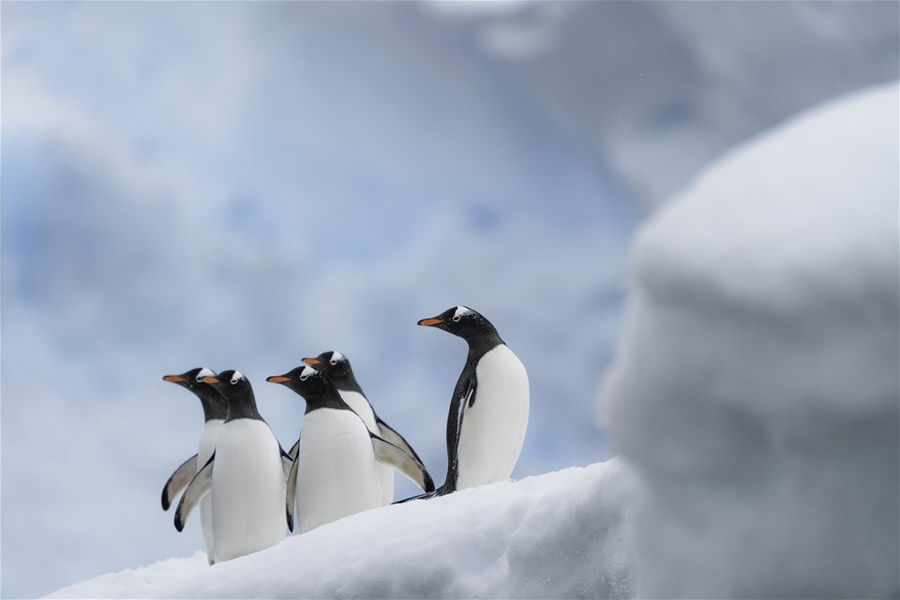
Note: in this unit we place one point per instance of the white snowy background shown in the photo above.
(240, 185)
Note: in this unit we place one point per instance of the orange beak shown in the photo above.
(210, 380)
(277, 379)
(312, 361)
(174, 378)
(430, 322)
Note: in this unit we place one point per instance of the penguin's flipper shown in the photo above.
(398, 458)
(199, 486)
(177, 480)
(286, 461)
(293, 451)
(463, 398)
(291, 492)
(390, 434)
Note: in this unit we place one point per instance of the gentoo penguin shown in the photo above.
(214, 409)
(335, 473)
(245, 476)
(336, 367)
(489, 408)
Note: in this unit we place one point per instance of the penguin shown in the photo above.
(336, 367)
(214, 410)
(489, 408)
(335, 473)
(245, 476)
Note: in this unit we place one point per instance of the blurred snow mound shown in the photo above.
(558, 535)
(756, 389)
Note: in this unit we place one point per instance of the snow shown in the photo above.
(755, 392)
(558, 535)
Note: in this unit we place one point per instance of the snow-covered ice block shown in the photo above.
(756, 391)
(558, 535)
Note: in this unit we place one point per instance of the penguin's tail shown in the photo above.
(441, 491)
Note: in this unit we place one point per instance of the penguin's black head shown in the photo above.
(305, 381)
(229, 383)
(462, 321)
(238, 394)
(335, 366)
(214, 406)
(193, 379)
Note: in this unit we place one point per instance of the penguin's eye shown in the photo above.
(199, 379)
(234, 380)
(333, 362)
(457, 319)
(304, 377)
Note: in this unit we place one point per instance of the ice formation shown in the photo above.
(756, 389)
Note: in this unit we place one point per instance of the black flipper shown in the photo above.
(178, 480)
(412, 467)
(199, 486)
(291, 495)
(463, 398)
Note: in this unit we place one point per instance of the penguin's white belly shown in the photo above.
(361, 406)
(248, 490)
(207, 444)
(337, 473)
(493, 429)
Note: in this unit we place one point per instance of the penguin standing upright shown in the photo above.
(489, 409)
(214, 410)
(335, 473)
(245, 475)
(336, 367)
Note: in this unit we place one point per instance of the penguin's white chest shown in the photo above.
(208, 440)
(493, 428)
(337, 474)
(248, 489)
(361, 406)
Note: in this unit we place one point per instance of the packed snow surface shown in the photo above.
(558, 535)
(756, 388)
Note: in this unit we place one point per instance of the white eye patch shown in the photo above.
(236, 377)
(204, 372)
(336, 357)
(460, 311)
(306, 372)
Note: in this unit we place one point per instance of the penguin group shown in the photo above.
(250, 491)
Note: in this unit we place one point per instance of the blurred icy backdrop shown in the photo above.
(239, 185)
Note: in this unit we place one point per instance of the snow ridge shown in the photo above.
(558, 535)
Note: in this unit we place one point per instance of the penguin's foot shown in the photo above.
(441, 491)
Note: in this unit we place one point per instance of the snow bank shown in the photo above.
(756, 390)
(559, 535)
